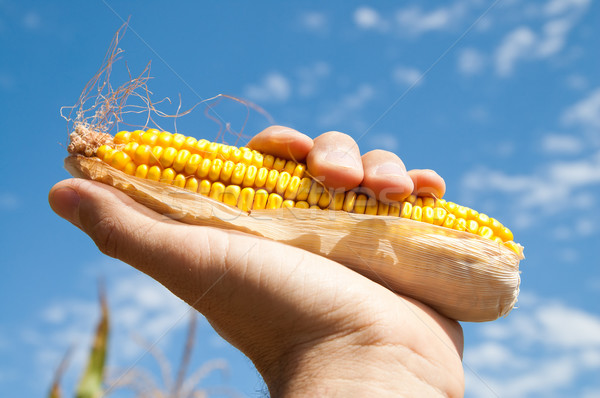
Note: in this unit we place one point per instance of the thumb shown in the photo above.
(187, 260)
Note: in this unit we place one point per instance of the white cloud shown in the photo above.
(347, 107)
(516, 45)
(311, 77)
(542, 347)
(367, 18)
(314, 21)
(32, 20)
(414, 21)
(274, 87)
(576, 82)
(470, 61)
(585, 113)
(407, 76)
(386, 141)
(562, 144)
(558, 18)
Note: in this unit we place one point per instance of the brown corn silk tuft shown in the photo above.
(461, 275)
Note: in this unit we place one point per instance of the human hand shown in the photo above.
(311, 326)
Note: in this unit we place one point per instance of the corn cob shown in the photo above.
(249, 180)
(417, 248)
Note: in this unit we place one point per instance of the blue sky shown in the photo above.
(501, 98)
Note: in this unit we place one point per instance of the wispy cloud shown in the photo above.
(369, 19)
(524, 43)
(347, 108)
(556, 345)
(470, 61)
(415, 21)
(274, 87)
(310, 78)
(585, 113)
(407, 76)
(314, 22)
(559, 183)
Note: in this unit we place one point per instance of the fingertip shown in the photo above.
(64, 201)
(386, 176)
(428, 182)
(335, 160)
(283, 142)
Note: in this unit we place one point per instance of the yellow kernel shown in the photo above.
(299, 170)
(250, 177)
(268, 161)
(304, 189)
(412, 198)
(449, 220)
(260, 199)
(130, 148)
(215, 169)
(167, 176)
(292, 189)
(130, 168)
(122, 137)
(231, 195)
(372, 206)
(167, 157)
(282, 183)
(513, 246)
(192, 184)
(217, 189)
(227, 171)
(246, 198)
(316, 190)
(439, 215)
(156, 154)
(247, 158)
(274, 202)
(149, 137)
(204, 168)
(301, 204)
(200, 146)
(483, 219)
(141, 171)
(324, 199)
(349, 201)
(235, 155)
(462, 212)
(406, 209)
(360, 205)
(505, 234)
(261, 177)
(279, 164)
(472, 226)
(211, 150)
(101, 151)
(472, 214)
(418, 202)
(485, 232)
(204, 188)
(119, 160)
(136, 136)
(428, 214)
(181, 160)
(428, 201)
(189, 144)
(192, 164)
(164, 139)
(290, 166)
(338, 199)
(460, 224)
(257, 159)
(394, 210)
(142, 154)
(178, 140)
(287, 204)
(417, 213)
(179, 181)
(154, 173)
(271, 180)
(451, 207)
(237, 177)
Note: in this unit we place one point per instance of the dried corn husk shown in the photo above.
(462, 276)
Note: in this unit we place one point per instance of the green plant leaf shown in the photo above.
(90, 385)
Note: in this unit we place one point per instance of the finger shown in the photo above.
(428, 182)
(386, 176)
(283, 142)
(335, 160)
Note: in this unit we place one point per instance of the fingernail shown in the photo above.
(342, 158)
(65, 202)
(390, 169)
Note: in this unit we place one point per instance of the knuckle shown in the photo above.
(105, 234)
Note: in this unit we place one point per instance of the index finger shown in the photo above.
(283, 142)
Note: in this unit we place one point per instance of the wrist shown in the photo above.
(330, 369)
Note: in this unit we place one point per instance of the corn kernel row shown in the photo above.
(249, 180)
